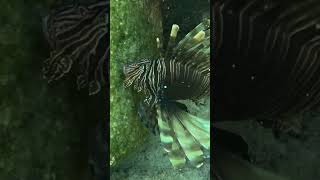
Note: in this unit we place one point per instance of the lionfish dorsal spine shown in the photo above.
(172, 41)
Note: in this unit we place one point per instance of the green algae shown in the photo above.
(134, 26)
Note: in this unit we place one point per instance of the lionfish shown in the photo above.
(267, 66)
(268, 62)
(182, 72)
(78, 36)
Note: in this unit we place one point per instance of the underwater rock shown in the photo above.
(133, 36)
(296, 158)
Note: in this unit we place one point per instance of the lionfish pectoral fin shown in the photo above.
(183, 134)
(165, 132)
(199, 128)
(189, 145)
(171, 144)
(176, 155)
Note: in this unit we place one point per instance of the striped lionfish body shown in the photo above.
(182, 72)
(78, 36)
(268, 60)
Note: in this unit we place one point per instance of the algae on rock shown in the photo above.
(134, 26)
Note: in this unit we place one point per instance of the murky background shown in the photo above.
(44, 129)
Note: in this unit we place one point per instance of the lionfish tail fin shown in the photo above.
(183, 134)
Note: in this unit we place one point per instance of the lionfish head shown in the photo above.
(134, 73)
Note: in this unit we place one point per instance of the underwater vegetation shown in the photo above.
(78, 37)
(182, 72)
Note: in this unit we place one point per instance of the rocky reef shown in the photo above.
(292, 157)
(134, 26)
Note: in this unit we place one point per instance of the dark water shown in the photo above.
(187, 14)
(43, 128)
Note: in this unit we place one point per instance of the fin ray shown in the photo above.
(176, 155)
(198, 130)
(189, 145)
(165, 132)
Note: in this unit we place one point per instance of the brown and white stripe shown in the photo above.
(186, 65)
(78, 36)
(273, 47)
